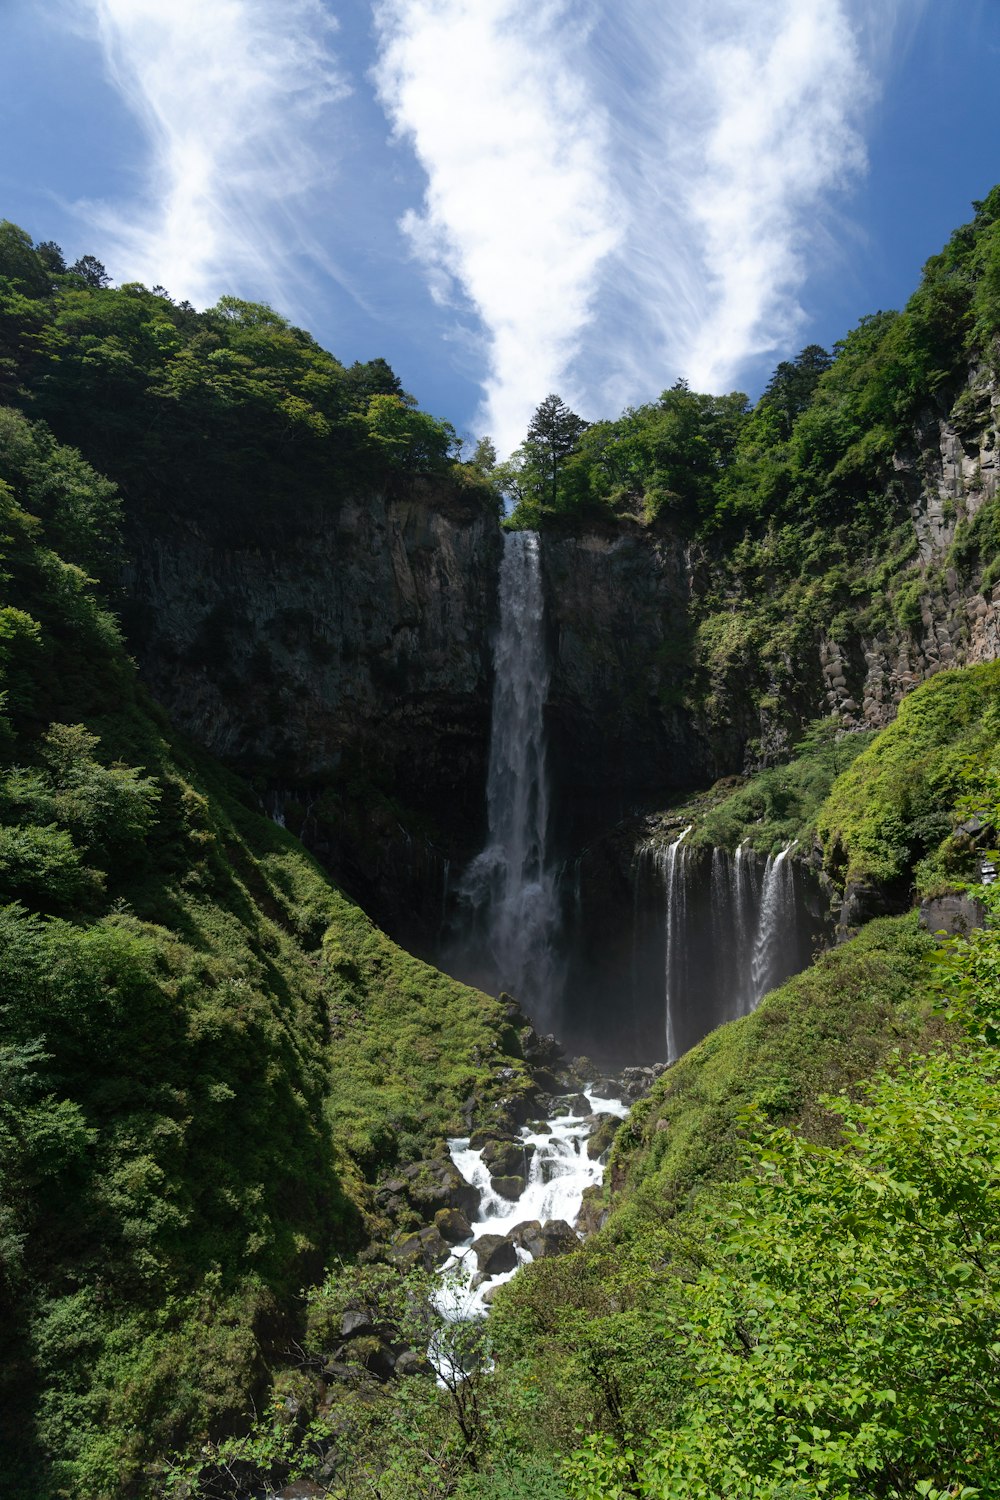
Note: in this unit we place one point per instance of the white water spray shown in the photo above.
(509, 889)
(777, 914)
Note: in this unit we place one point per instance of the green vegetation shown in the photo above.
(220, 416)
(209, 1058)
(205, 1050)
(835, 1333)
(777, 806)
(901, 806)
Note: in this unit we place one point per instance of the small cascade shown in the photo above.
(508, 902)
(559, 1173)
(775, 923)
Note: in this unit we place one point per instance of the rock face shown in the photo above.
(617, 600)
(356, 649)
(347, 664)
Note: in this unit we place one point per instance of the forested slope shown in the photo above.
(205, 1049)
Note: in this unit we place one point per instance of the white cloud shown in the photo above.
(231, 95)
(519, 209)
(634, 198)
(764, 129)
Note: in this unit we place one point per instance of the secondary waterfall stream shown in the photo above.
(507, 898)
(728, 940)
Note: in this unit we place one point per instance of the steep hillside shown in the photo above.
(208, 1054)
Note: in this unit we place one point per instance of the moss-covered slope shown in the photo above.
(204, 1048)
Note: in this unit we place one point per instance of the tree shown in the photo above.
(553, 435)
(91, 271)
(790, 389)
(484, 456)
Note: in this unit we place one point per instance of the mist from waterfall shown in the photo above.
(507, 899)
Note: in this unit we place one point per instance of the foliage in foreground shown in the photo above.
(841, 1338)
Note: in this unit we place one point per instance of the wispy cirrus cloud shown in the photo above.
(520, 212)
(628, 193)
(752, 126)
(234, 99)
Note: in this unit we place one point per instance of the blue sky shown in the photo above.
(504, 198)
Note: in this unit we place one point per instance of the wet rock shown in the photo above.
(540, 1127)
(546, 1080)
(955, 914)
(593, 1210)
(510, 1187)
(609, 1088)
(583, 1070)
(356, 1321)
(526, 1227)
(507, 1157)
(452, 1225)
(638, 1081)
(494, 1253)
(412, 1363)
(554, 1238)
(571, 1104)
(426, 1247)
(602, 1135)
(430, 1185)
(539, 1051)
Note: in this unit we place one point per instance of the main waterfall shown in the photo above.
(508, 907)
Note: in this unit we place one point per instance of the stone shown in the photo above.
(505, 1157)
(426, 1247)
(452, 1225)
(411, 1363)
(510, 1187)
(554, 1238)
(571, 1104)
(605, 1129)
(435, 1184)
(356, 1321)
(494, 1253)
(955, 914)
(526, 1227)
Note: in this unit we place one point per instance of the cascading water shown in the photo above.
(560, 1171)
(711, 933)
(777, 918)
(507, 900)
(676, 952)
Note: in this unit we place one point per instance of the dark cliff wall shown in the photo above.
(345, 666)
(663, 678)
(618, 602)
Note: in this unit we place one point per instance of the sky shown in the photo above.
(505, 198)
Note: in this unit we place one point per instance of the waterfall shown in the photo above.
(508, 895)
(671, 860)
(776, 921)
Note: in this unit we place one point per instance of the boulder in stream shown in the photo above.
(554, 1238)
(494, 1253)
(507, 1157)
(510, 1187)
(430, 1185)
(427, 1247)
(452, 1225)
(602, 1135)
